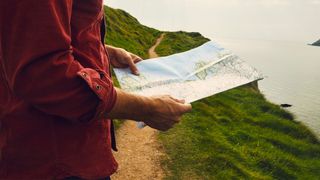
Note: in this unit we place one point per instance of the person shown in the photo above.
(56, 93)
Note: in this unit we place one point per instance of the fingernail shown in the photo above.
(136, 73)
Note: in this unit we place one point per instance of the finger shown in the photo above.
(117, 64)
(181, 101)
(133, 67)
(121, 59)
(161, 128)
(166, 128)
(185, 108)
(136, 58)
(177, 119)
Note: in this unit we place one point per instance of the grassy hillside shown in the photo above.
(236, 134)
(176, 42)
(126, 32)
(317, 43)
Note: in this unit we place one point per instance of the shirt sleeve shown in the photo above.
(40, 66)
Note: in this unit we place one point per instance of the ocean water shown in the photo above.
(292, 73)
(271, 35)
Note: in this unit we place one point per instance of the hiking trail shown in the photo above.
(139, 150)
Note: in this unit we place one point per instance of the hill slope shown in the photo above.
(176, 42)
(236, 134)
(123, 30)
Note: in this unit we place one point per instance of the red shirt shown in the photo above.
(55, 90)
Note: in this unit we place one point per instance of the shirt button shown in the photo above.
(98, 87)
(84, 75)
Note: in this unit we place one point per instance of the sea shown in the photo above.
(271, 35)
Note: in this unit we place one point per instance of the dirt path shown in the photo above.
(152, 52)
(139, 152)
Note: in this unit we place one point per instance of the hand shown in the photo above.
(158, 112)
(121, 58)
(166, 112)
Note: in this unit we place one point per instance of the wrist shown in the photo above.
(148, 107)
(133, 107)
(111, 51)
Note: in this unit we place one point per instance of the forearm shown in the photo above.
(159, 112)
(130, 106)
(109, 47)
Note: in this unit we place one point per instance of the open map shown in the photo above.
(192, 75)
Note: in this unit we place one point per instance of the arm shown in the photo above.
(40, 66)
(41, 70)
(160, 112)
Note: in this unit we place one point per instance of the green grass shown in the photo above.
(126, 32)
(233, 135)
(123, 30)
(176, 42)
(237, 134)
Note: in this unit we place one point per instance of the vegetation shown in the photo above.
(126, 32)
(176, 42)
(236, 134)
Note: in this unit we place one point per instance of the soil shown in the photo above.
(139, 152)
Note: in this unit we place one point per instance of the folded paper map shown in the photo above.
(192, 75)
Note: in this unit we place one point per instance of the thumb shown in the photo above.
(135, 58)
(185, 108)
(181, 101)
(133, 67)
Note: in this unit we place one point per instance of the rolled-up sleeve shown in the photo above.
(40, 66)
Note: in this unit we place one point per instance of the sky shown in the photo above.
(285, 20)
